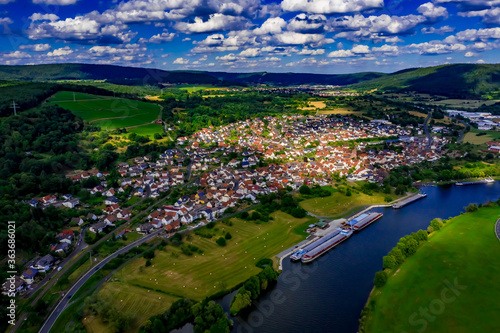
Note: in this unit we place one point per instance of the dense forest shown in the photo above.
(455, 81)
(35, 147)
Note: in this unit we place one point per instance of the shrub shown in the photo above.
(262, 263)
(148, 263)
(150, 254)
(244, 215)
(436, 224)
(255, 216)
(471, 208)
(304, 189)
(299, 213)
(211, 225)
(380, 279)
(228, 236)
(389, 262)
(221, 241)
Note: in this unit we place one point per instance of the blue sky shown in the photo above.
(318, 36)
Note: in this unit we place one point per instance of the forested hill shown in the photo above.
(289, 79)
(141, 76)
(457, 80)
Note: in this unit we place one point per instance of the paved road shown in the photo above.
(426, 129)
(463, 132)
(64, 302)
(497, 229)
(81, 245)
(48, 283)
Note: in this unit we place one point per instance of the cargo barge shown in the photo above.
(297, 255)
(486, 181)
(339, 237)
(409, 200)
(364, 220)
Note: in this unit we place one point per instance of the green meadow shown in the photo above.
(449, 285)
(105, 111)
(147, 130)
(142, 291)
(338, 203)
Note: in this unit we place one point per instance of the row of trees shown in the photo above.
(314, 192)
(206, 316)
(252, 288)
(406, 247)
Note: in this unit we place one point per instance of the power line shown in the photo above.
(14, 106)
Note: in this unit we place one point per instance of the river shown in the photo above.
(329, 294)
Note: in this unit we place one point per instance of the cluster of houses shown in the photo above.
(24, 282)
(312, 146)
(300, 150)
(66, 200)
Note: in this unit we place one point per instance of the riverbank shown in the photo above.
(447, 275)
(334, 224)
(342, 279)
(144, 290)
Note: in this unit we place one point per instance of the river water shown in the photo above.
(329, 294)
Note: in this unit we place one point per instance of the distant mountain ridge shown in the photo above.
(133, 75)
(455, 80)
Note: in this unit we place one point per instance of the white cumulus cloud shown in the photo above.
(330, 6)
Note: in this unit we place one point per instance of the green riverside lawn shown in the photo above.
(141, 292)
(417, 298)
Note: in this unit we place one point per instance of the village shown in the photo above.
(230, 166)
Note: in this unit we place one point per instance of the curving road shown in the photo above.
(497, 229)
(426, 129)
(64, 302)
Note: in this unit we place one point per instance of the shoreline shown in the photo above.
(393, 271)
(356, 213)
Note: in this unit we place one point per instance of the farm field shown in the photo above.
(471, 137)
(107, 112)
(314, 105)
(174, 275)
(130, 299)
(147, 130)
(195, 88)
(342, 111)
(460, 254)
(338, 203)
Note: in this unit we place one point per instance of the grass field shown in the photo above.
(147, 130)
(174, 275)
(342, 111)
(338, 203)
(195, 88)
(107, 112)
(471, 137)
(126, 297)
(466, 251)
(314, 105)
